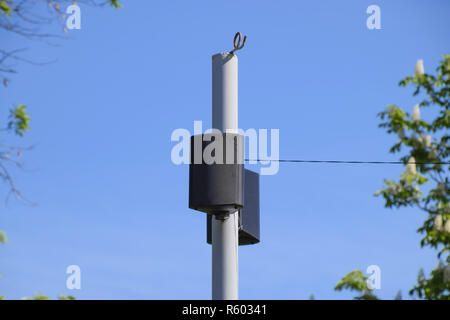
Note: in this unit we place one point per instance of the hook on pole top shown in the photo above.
(237, 42)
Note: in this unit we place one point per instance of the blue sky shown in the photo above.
(110, 200)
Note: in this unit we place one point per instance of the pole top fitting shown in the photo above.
(237, 42)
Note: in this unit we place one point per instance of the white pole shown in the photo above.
(225, 239)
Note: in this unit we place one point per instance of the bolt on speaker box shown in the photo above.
(216, 172)
(248, 215)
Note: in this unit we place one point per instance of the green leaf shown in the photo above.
(37, 296)
(116, 4)
(3, 238)
(63, 297)
(19, 120)
(5, 8)
(354, 280)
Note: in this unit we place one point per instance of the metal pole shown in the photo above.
(225, 239)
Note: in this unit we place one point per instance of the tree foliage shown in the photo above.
(423, 148)
(26, 18)
(356, 281)
(40, 296)
(19, 120)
